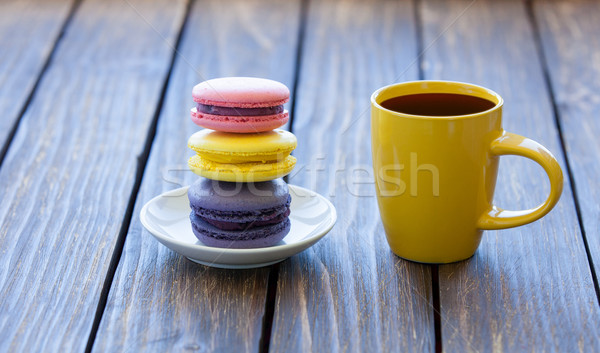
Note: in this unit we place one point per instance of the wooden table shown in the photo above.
(95, 98)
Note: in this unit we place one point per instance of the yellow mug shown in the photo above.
(435, 174)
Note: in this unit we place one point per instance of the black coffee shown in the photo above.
(438, 104)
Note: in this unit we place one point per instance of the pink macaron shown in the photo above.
(240, 104)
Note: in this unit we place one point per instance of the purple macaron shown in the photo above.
(239, 215)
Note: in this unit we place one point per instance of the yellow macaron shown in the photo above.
(242, 157)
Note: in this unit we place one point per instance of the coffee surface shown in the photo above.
(438, 104)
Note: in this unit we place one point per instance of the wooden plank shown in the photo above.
(569, 33)
(349, 292)
(68, 174)
(528, 288)
(28, 32)
(160, 301)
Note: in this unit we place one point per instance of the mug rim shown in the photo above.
(489, 92)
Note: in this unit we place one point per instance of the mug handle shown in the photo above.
(513, 144)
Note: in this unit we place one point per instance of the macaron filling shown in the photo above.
(234, 111)
(243, 220)
(267, 235)
(224, 225)
(243, 216)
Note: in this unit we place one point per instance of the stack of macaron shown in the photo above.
(240, 201)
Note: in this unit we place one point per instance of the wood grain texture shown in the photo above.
(28, 32)
(159, 300)
(569, 32)
(349, 293)
(68, 174)
(528, 288)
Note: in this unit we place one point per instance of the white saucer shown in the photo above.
(167, 218)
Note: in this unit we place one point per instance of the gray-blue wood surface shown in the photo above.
(94, 101)
(70, 169)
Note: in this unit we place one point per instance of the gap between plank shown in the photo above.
(419, 34)
(267, 326)
(435, 277)
(437, 319)
(142, 161)
(557, 120)
(13, 129)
